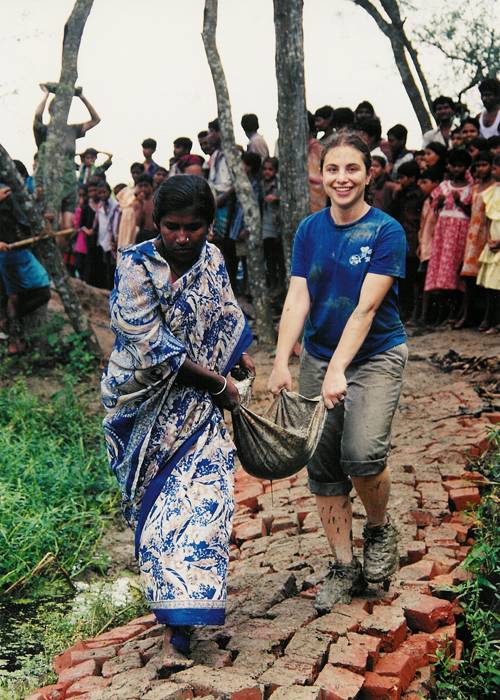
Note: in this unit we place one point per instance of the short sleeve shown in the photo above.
(299, 267)
(389, 251)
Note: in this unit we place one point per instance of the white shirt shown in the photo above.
(219, 176)
(487, 131)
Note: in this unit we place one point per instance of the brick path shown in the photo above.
(382, 645)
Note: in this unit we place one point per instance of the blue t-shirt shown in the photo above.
(335, 260)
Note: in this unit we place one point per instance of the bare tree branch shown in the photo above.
(244, 191)
(399, 42)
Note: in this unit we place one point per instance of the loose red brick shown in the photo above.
(455, 484)
(463, 499)
(459, 650)
(462, 532)
(87, 685)
(122, 663)
(119, 635)
(339, 683)
(417, 646)
(389, 624)
(63, 660)
(351, 656)
(415, 551)
(49, 692)
(378, 687)
(442, 564)
(425, 612)
(334, 624)
(249, 530)
(99, 655)
(289, 671)
(398, 665)
(443, 638)
(420, 571)
(247, 496)
(368, 642)
(205, 680)
(74, 673)
(284, 522)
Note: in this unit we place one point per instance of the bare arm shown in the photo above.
(295, 310)
(373, 292)
(201, 378)
(94, 117)
(38, 116)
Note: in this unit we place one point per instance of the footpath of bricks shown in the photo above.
(274, 644)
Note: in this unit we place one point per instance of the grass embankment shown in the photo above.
(478, 673)
(56, 489)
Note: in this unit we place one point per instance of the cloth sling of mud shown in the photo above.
(281, 442)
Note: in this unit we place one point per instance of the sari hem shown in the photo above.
(183, 617)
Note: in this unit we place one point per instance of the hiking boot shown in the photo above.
(380, 552)
(341, 583)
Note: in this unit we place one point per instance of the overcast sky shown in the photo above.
(143, 67)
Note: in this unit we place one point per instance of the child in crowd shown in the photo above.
(160, 176)
(80, 245)
(381, 186)
(144, 209)
(456, 138)
(406, 208)
(419, 157)
(488, 275)
(476, 146)
(271, 225)
(238, 232)
(101, 243)
(452, 202)
(86, 220)
(476, 235)
(494, 145)
(435, 156)
(470, 130)
(427, 181)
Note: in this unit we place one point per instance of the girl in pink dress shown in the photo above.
(452, 201)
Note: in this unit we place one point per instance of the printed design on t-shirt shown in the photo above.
(365, 254)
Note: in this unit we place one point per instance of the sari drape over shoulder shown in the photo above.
(167, 442)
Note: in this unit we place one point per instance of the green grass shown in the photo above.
(56, 489)
(478, 674)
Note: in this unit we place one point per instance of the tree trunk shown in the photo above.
(47, 250)
(399, 41)
(251, 211)
(54, 164)
(292, 119)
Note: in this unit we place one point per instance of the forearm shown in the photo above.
(93, 114)
(193, 374)
(354, 334)
(40, 109)
(291, 326)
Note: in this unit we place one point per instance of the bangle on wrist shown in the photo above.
(221, 391)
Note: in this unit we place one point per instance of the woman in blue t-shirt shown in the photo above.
(343, 296)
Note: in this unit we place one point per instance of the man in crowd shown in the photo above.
(144, 209)
(148, 148)
(444, 111)
(489, 118)
(396, 136)
(256, 142)
(323, 121)
(182, 147)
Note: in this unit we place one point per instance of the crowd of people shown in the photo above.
(444, 195)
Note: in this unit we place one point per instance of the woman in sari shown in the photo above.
(179, 332)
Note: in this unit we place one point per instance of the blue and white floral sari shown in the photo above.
(167, 442)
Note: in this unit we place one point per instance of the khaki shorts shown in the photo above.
(356, 436)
